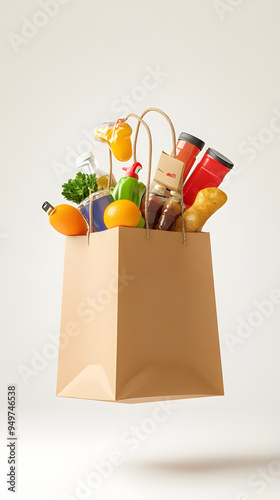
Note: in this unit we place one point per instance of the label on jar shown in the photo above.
(169, 172)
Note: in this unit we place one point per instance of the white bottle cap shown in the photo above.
(84, 157)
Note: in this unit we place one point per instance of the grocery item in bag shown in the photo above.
(207, 202)
(121, 213)
(78, 189)
(65, 219)
(157, 198)
(187, 149)
(209, 172)
(97, 203)
(128, 187)
(171, 211)
(169, 172)
(86, 163)
(117, 136)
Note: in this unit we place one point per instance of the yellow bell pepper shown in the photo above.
(118, 137)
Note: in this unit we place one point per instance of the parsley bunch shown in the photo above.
(79, 189)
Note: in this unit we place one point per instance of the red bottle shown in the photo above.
(187, 149)
(209, 172)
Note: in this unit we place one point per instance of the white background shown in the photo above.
(217, 66)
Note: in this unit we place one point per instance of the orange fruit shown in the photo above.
(121, 213)
(68, 220)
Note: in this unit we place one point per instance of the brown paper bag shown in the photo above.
(138, 313)
(138, 318)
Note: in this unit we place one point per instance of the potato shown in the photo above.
(207, 202)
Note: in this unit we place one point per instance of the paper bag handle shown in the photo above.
(140, 120)
(157, 110)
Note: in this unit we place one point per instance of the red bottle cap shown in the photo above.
(133, 170)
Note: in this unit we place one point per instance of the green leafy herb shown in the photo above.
(79, 189)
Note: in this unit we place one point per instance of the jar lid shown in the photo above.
(84, 157)
(192, 140)
(219, 157)
(160, 189)
(175, 194)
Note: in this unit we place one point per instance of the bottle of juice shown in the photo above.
(209, 172)
(157, 198)
(187, 149)
(65, 219)
(86, 163)
(170, 212)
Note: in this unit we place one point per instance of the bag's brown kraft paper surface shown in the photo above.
(138, 318)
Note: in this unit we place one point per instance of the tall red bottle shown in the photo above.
(209, 172)
(187, 149)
